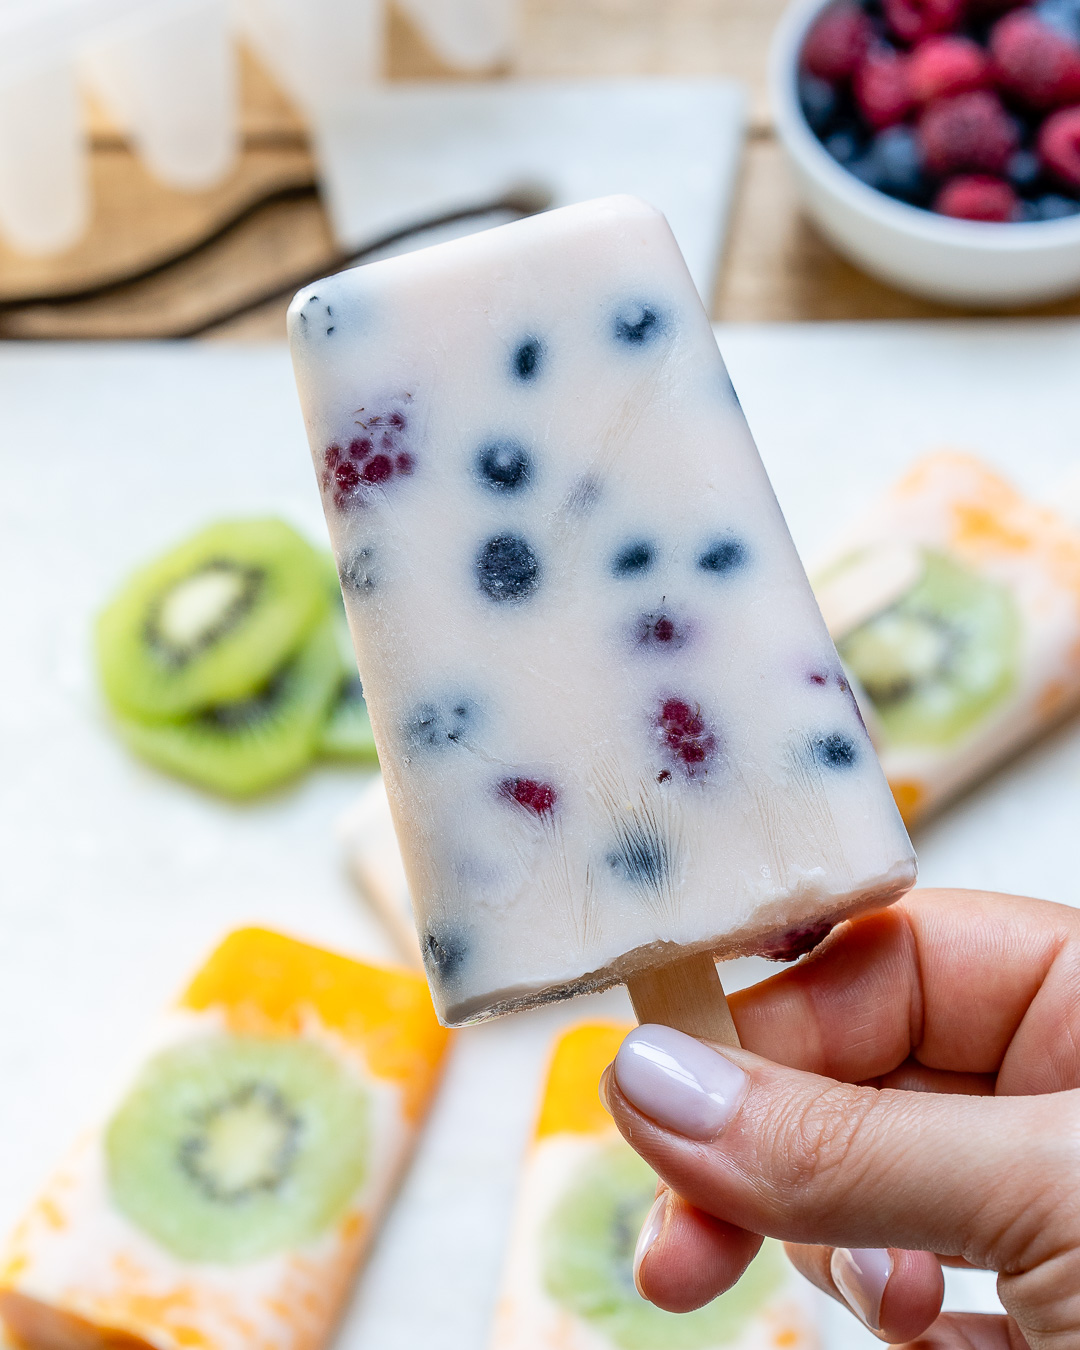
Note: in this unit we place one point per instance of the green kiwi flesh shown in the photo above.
(346, 734)
(231, 1148)
(210, 621)
(941, 658)
(243, 748)
(587, 1247)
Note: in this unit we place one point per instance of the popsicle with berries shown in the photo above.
(615, 734)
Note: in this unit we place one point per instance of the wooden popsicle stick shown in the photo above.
(685, 994)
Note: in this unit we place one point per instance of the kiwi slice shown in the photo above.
(943, 656)
(210, 621)
(346, 734)
(255, 743)
(230, 1148)
(587, 1250)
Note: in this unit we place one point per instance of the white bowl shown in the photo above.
(959, 261)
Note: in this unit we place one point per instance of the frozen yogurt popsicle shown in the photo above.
(955, 603)
(613, 728)
(230, 1198)
(568, 1282)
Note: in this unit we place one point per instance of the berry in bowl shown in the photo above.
(937, 142)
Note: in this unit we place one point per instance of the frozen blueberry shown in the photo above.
(1023, 170)
(534, 796)
(357, 571)
(526, 361)
(723, 556)
(634, 558)
(1061, 15)
(835, 751)
(1056, 206)
(641, 856)
(818, 101)
(436, 726)
(895, 165)
(507, 569)
(638, 324)
(504, 466)
(444, 953)
(844, 146)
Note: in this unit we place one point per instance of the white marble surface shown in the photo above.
(114, 880)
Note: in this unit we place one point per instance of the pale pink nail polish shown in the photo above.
(650, 1231)
(861, 1274)
(678, 1081)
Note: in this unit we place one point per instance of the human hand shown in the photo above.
(929, 1112)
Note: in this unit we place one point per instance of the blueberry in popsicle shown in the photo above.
(616, 736)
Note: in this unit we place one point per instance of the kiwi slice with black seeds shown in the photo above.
(258, 742)
(231, 1148)
(940, 659)
(587, 1252)
(211, 621)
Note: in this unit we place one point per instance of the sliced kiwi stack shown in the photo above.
(587, 1252)
(941, 658)
(227, 661)
(231, 1148)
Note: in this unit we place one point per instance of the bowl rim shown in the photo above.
(1024, 236)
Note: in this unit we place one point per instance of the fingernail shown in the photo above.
(605, 1098)
(679, 1082)
(861, 1274)
(650, 1231)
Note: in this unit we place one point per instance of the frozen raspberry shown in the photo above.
(685, 734)
(837, 42)
(660, 630)
(881, 87)
(913, 20)
(539, 798)
(1059, 145)
(370, 459)
(978, 196)
(1035, 62)
(798, 942)
(943, 66)
(969, 133)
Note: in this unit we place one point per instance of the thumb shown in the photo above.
(809, 1160)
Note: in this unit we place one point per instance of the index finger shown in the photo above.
(961, 981)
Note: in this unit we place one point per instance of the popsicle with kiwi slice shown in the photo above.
(229, 1199)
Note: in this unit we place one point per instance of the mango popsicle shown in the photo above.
(614, 731)
(568, 1280)
(230, 1198)
(955, 604)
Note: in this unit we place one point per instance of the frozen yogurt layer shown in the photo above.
(613, 727)
(229, 1199)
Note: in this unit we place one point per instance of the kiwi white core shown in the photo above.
(243, 1145)
(200, 604)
